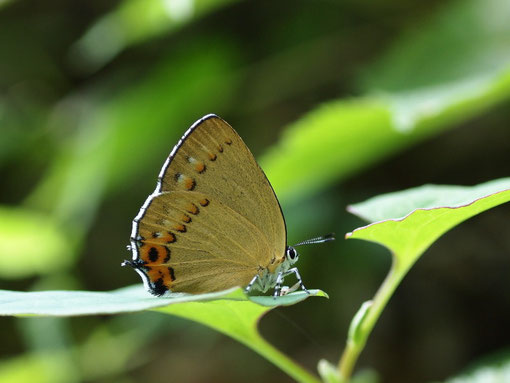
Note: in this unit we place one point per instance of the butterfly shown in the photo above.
(213, 222)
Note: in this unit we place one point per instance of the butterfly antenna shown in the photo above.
(321, 239)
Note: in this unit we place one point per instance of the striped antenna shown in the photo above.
(321, 239)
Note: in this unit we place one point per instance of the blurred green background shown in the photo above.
(339, 100)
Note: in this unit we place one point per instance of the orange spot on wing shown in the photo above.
(169, 237)
(189, 183)
(162, 238)
(204, 202)
(212, 156)
(200, 167)
(153, 254)
(180, 227)
(192, 208)
(166, 274)
(186, 218)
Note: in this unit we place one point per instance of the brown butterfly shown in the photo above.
(214, 221)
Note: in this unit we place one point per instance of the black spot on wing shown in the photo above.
(153, 254)
(158, 288)
(172, 273)
(167, 258)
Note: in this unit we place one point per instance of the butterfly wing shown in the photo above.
(213, 221)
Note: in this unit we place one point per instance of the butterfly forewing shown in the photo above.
(214, 221)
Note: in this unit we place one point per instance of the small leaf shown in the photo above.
(410, 221)
(354, 328)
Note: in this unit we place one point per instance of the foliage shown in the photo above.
(93, 98)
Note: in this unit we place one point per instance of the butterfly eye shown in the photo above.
(292, 253)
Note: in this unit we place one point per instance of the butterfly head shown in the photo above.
(291, 255)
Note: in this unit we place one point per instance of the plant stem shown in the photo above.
(355, 346)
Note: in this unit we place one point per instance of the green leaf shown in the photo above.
(238, 319)
(353, 334)
(127, 299)
(230, 312)
(453, 68)
(331, 142)
(411, 220)
(30, 244)
(343, 137)
(407, 224)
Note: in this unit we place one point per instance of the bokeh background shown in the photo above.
(339, 100)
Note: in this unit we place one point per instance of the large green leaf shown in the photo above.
(230, 312)
(127, 299)
(342, 137)
(407, 223)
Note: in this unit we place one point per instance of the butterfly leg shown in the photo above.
(248, 288)
(300, 281)
(279, 291)
(278, 285)
(298, 276)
